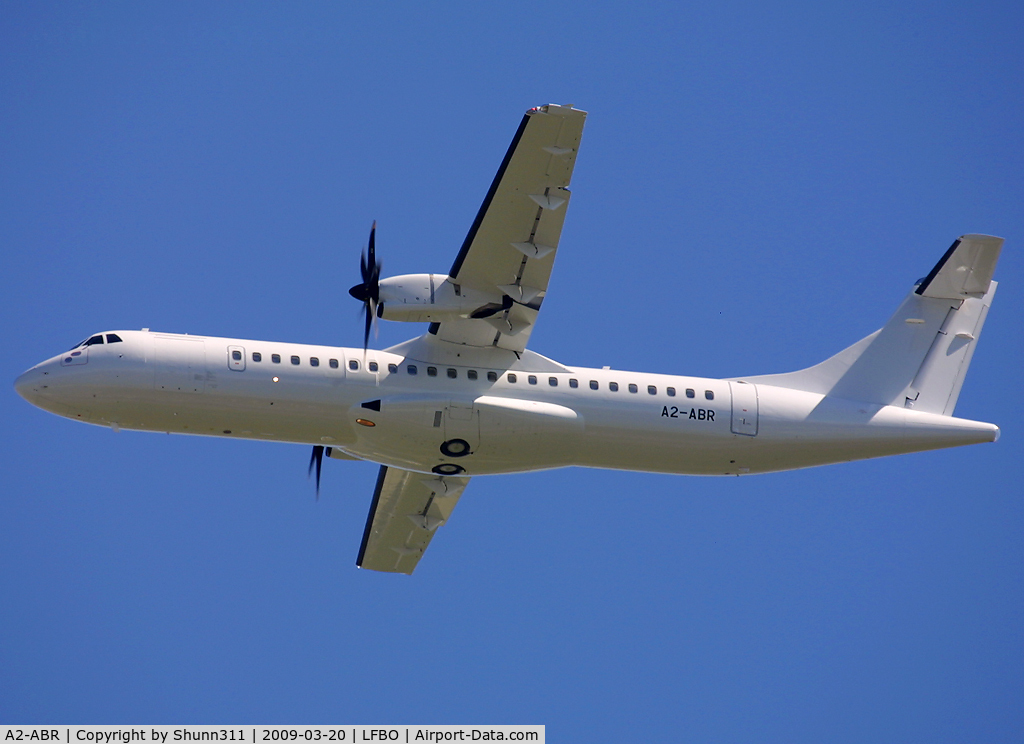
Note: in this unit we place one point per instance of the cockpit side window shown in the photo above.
(97, 339)
(113, 338)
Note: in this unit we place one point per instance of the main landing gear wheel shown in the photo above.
(448, 469)
(455, 448)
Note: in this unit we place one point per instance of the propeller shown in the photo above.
(369, 291)
(317, 458)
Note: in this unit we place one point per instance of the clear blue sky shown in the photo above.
(756, 189)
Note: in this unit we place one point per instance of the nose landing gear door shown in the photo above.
(461, 429)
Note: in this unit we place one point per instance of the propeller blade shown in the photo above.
(372, 250)
(317, 458)
(369, 291)
(366, 329)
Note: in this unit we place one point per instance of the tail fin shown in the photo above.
(920, 357)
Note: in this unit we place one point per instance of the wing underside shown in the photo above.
(508, 253)
(406, 511)
(511, 246)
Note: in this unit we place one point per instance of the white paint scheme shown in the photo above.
(513, 410)
(513, 426)
(428, 298)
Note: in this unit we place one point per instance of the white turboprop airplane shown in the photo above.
(467, 398)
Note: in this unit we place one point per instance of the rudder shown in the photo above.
(919, 359)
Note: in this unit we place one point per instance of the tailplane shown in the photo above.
(920, 357)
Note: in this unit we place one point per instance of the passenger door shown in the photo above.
(236, 358)
(744, 408)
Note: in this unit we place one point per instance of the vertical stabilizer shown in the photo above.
(920, 357)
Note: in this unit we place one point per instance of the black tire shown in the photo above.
(455, 448)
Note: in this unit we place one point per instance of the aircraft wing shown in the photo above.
(512, 243)
(407, 509)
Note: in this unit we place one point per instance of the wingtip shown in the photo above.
(557, 109)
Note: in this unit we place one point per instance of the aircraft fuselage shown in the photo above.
(460, 419)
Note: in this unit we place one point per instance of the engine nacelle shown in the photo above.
(418, 298)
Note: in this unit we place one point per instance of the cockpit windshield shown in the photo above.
(112, 338)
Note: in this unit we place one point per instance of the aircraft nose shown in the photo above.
(40, 387)
(27, 385)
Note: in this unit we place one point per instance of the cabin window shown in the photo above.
(453, 373)
(353, 364)
(113, 338)
(257, 357)
(275, 358)
(411, 369)
(573, 382)
(94, 340)
(632, 387)
(492, 376)
(392, 368)
(709, 394)
(690, 393)
(333, 363)
(295, 359)
(314, 361)
(373, 366)
(553, 381)
(613, 386)
(511, 377)
(593, 385)
(431, 371)
(236, 355)
(532, 379)
(651, 390)
(671, 392)
(471, 374)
